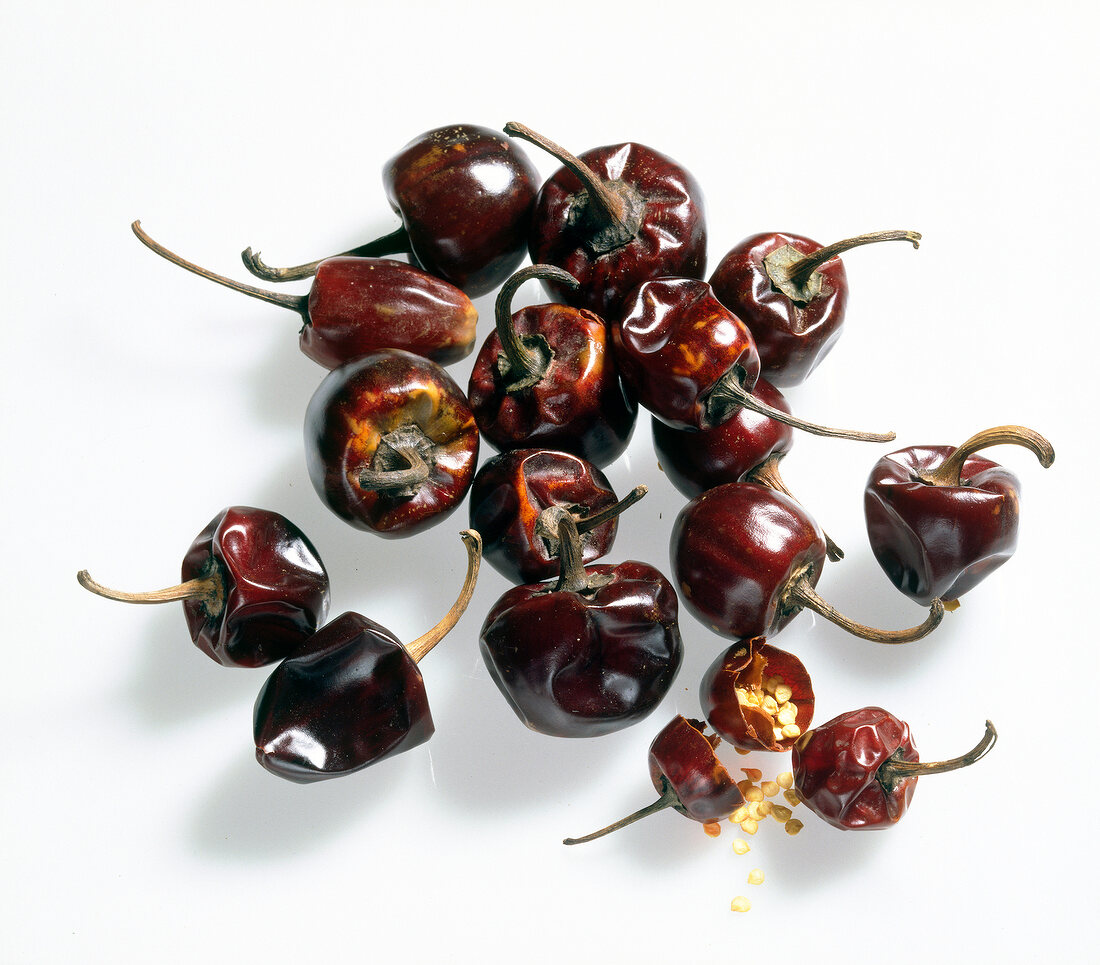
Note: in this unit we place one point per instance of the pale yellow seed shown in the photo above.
(756, 877)
(777, 733)
(791, 730)
(740, 903)
(786, 779)
(788, 713)
(793, 797)
(770, 706)
(752, 773)
(740, 814)
(740, 845)
(712, 829)
(753, 794)
(771, 683)
(770, 788)
(793, 826)
(764, 808)
(780, 813)
(744, 785)
(783, 693)
(749, 826)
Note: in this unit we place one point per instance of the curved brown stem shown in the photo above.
(395, 243)
(667, 799)
(728, 393)
(802, 593)
(586, 524)
(949, 472)
(209, 589)
(419, 648)
(407, 445)
(808, 264)
(296, 303)
(894, 770)
(767, 474)
(524, 367)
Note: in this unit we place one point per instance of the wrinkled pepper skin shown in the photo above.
(671, 237)
(735, 549)
(836, 769)
(579, 405)
(359, 403)
(513, 489)
(743, 666)
(673, 342)
(697, 461)
(940, 541)
(792, 337)
(682, 757)
(360, 305)
(275, 587)
(349, 697)
(466, 195)
(584, 665)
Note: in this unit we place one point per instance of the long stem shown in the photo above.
(892, 771)
(524, 365)
(586, 524)
(209, 589)
(802, 592)
(949, 472)
(668, 799)
(572, 575)
(730, 393)
(395, 243)
(296, 303)
(808, 264)
(612, 206)
(767, 474)
(419, 648)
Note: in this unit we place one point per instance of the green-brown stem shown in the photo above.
(525, 359)
(296, 303)
(894, 770)
(668, 799)
(949, 472)
(800, 593)
(419, 648)
(395, 243)
(209, 589)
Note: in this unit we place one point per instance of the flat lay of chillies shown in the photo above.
(578, 648)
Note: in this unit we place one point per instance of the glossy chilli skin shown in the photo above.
(744, 666)
(734, 551)
(575, 664)
(674, 342)
(836, 769)
(275, 588)
(792, 337)
(940, 541)
(513, 489)
(697, 461)
(360, 305)
(682, 757)
(578, 405)
(671, 237)
(350, 697)
(359, 404)
(466, 195)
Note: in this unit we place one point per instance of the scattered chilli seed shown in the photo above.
(770, 788)
(793, 826)
(740, 814)
(780, 813)
(785, 780)
(740, 903)
(752, 773)
(749, 826)
(740, 846)
(753, 794)
(793, 797)
(742, 751)
(756, 877)
(713, 829)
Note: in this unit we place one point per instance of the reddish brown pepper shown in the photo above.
(859, 770)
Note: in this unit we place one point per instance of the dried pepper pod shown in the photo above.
(253, 588)
(352, 695)
(757, 697)
(687, 775)
(940, 518)
(859, 770)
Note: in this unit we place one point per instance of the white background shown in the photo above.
(139, 400)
